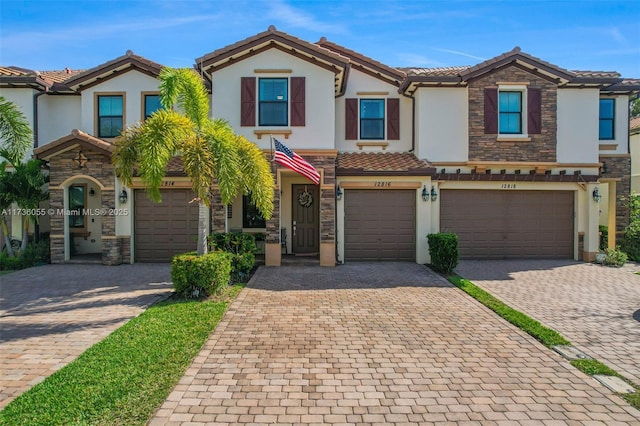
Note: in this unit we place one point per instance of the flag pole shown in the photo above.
(271, 144)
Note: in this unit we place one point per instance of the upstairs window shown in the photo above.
(273, 102)
(371, 118)
(251, 216)
(110, 115)
(510, 112)
(151, 105)
(607, 119)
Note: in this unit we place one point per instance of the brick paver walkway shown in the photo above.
(388, 343)
(49, 315)
(590, 305)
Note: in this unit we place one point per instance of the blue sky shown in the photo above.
(593, 35)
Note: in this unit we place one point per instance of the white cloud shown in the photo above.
(416, 60)
(455, 52)
(296, 18)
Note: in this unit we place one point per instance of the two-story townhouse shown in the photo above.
(634, 147)
(512, 154)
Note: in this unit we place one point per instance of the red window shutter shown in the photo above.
(297, 101)
(393, 119)
(248, 101)
(534, 111)
(491, 111)
(351, 119)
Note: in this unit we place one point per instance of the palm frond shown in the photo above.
(15, 132)
(183, 87)
(199, 164)
(126, 153)
(221, 141)
(257, 175)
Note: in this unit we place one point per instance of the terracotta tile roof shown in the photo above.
(381, 162)
(437, 72)
(596, 74)
(634, 124)
(60, 76)
(175, 167)
(394, 73)
(50, 149)
(271, 33)
(15, 71)
(109, 69)
(515, 54)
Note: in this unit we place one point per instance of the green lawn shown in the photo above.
(547, 336)
(124, 378)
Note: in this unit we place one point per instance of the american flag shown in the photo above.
(285, 156)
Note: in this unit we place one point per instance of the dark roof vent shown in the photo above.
(272, 28)
(129, 53)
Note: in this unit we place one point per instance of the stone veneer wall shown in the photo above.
(485, 147)
(218, 213)
(327, 201)
(62, 167)
(620, 167)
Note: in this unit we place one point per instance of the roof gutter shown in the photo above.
(413, 118)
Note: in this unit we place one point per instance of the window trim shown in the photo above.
(383, 119)
(612, 119)
(524, 111)
(143, 103)
(520, 113)
(287, 102)
(96, 115)
(75, 229)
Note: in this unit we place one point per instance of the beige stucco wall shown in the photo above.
(621, 132)
(318, 131)
(133, 83)
(57, 117)
(578, 125)
(442, 133)
(359, 82)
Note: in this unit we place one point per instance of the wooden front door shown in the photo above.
(305, 229)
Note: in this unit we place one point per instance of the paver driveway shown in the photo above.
(51, 314)
(377, 343)
(589, 304)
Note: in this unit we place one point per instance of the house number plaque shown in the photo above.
(382, 184)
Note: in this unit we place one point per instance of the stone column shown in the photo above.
(111, 250)
(272, 247)
(56, 223)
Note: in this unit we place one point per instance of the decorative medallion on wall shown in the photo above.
(80, 159)
(305, 199)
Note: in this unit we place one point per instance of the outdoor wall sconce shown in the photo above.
(123, 197)
(596, 195)
(92, 192)
(425, 194)
(434, 194)
(338, 193)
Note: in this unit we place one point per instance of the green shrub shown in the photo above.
(630, 244)
(10, 263)
(196, 276)
(614, 257)
(36, 254)
(242, 246)
(604, 237)
(443, 248)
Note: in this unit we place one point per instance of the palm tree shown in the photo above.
(15, 141)
(214, 157)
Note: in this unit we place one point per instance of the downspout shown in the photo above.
(35, 116)
(413, 120)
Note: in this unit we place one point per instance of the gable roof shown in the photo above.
(127, 62)
(366, 64)
(634, 125)
(274, 39)
(459, 76)
(77, 137)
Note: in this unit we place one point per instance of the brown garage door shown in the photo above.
(167, 228)
(509, 224)
(380, 225)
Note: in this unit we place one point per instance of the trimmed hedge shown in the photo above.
(242, 246)
(443, 248)
(196, 276)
